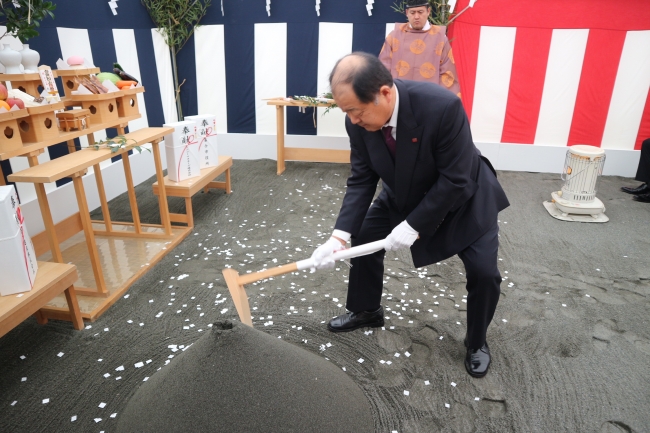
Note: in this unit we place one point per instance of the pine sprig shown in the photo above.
(117, 143)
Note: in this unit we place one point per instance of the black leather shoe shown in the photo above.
(477, 361)
(641, 189)
(644, 198)
(351, 321)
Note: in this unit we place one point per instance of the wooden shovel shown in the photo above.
(236, 282)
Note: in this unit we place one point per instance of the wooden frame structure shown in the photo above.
(102, 274)
(301, 153)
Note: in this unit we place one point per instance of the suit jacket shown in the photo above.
(439, 182)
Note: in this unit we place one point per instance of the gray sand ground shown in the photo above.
(570, 338)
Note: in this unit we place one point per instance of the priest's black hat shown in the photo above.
(416, 3)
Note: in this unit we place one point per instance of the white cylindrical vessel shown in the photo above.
(582, 167)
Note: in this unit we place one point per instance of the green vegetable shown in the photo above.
(103, 76)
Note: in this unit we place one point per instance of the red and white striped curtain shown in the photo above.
(555, 72)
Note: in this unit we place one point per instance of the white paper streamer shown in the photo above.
(369, 7)
(222, 14)
(268, 7)
(318, 7)
(113, 5)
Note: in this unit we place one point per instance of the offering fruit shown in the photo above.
(4, 105)
(15, 101)
(113, 78)
(3, 92)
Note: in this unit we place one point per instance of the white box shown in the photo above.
(18, 265)
(206, 125)
(182, 150)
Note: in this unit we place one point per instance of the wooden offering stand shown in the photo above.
(68, 76)
(28, 83)
(109, 255)
(300, 153)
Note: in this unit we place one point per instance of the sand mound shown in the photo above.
(238, 379)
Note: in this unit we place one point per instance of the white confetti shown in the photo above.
(113, 415)
(73, 418)
(453, 383)
(139, 364)
(46, 400)
(476, 399)
(406, 392)
(447, 405)
(426, 382)
(360, 360)
(60, 354)
(97, 420)
(102, 405)
(120, 368)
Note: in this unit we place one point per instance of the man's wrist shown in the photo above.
(341, 236)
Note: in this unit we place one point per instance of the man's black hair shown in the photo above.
(366, 79)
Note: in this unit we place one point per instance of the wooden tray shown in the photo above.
(95, 97)
(32, 76)
(45, 108)
(75, 72)
(13, 115)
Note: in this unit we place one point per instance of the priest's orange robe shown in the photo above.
(420, 55)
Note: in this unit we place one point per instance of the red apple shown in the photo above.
(16, 101)
(3, 92)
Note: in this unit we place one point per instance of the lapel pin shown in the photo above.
(414, 140)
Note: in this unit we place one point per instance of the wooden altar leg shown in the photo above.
(162, 194)
(279, 114)
(131, 190)
(73, 306)
(84, 213)
(71, 146)
(52, 239)
(2, 177)
(102, 197)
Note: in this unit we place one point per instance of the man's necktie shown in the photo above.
(388, 138)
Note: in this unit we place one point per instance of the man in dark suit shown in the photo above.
(439, 196)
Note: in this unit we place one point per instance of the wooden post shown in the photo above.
(279, 114)
(71, 146)
(84, 213)
(162, 194)
(32, 158)
(102, 197)
(131, 190)
(2, 177)
(188, 211)
(73, 306)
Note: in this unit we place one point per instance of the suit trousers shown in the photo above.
(643, 170)
(480, 259)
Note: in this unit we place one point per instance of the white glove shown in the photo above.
(322, 255)
(402, 236)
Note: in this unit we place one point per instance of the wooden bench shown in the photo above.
(51, 280)
(189, 187)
